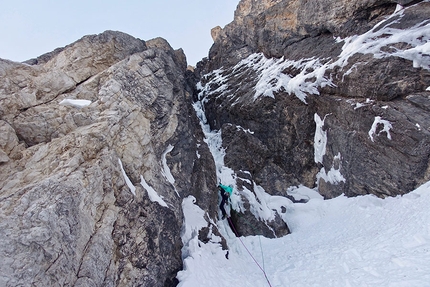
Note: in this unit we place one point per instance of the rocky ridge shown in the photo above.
(104, 143)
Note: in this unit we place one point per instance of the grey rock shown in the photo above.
(421, 100)
(68, 217)
(407, 2)
(386, 81)
(215, 32)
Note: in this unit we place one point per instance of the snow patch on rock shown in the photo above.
(75, 103)
(152, 194)
(127, 179)
(320, 139)
(386, 128)
(166, 170)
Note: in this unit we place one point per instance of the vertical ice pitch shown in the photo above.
(262, 204)
(214, 142)
(320, 139)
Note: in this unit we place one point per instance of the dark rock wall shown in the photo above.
(279, 150)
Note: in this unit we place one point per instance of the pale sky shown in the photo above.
(30, 28)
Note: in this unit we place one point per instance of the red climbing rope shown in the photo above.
(237, 235)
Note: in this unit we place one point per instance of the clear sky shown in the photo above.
(30, 28)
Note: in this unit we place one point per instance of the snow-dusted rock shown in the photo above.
(79, 130)
(348, 62)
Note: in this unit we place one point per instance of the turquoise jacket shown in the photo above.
(227, 189)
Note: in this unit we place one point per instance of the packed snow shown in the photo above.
(361, 241)
(302, 192)
(75, 103)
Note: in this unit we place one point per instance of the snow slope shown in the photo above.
(362, 241)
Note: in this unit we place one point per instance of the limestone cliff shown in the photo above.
(87, 134)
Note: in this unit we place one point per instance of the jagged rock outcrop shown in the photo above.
(281, 73)
(295, 28)
(86, 134)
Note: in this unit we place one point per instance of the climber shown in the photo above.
(226, 192)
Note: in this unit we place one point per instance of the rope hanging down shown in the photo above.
(259, 266)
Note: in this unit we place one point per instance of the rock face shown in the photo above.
(109, 145)
(346, 115)
(68, 215)
(295, 28)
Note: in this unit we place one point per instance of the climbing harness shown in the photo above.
(249, 252)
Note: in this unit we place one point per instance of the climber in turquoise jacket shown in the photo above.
(226, 192)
